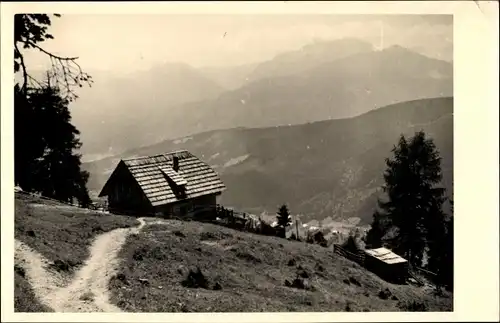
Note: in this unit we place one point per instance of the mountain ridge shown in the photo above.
(329, 94)
(326, 168)
(332, 89)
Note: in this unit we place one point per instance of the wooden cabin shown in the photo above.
(175, 184)
(386, 264)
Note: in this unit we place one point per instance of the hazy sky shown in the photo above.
(129, 42)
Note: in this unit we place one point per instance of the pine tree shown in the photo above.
(284, 219)
(44, 144)
(441, 251)
(414, 203)
(376, 233)
(45, 141)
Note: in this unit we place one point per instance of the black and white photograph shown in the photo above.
(233, 163)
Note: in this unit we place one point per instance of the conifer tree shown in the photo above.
(376, 233)
(410, 219)
(284, 219)
(441, 251)
(45, 141)
(45, 145)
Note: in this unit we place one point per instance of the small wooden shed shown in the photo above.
(173, 184)
(387, 264)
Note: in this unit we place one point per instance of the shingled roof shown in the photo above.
(385, 255)
(152, 173)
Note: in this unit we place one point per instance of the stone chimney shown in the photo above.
(176, 164)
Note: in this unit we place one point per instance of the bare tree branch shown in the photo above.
(65, 73)
(23, 66)
(48, 53)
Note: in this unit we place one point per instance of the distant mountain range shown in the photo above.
(229, 77)
(321, 81)
(115, 113)
(308, 57)
(323, 169)
(343, 88)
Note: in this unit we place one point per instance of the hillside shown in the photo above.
(250, 271)
(323, 169)
(123, 269)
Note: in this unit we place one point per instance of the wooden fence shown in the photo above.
(419, 273)
(44, 198)
(59, 202)
(358, 257)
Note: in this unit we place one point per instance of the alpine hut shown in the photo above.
(175, 184)
(386, 264)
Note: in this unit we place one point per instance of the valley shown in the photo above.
(322, 169)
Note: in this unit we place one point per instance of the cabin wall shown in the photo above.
(125, 196)
(189, 207)
(397, 272)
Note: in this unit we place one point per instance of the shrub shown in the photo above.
(385, 294)
(179, 234)
(88, 296)
(267, 229)
(352, 244)
(19, 270)
(303, 273)
(139, 254)
(354, 281)
(319, 267)
(301, 283)
(122, 277)
(63, 265)
(30, 233)
(97, 229)
(317, 238)
(195, 279)
(248, 257)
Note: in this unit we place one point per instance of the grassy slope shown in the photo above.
(24, 298)
(251, 269)
(58, 232)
